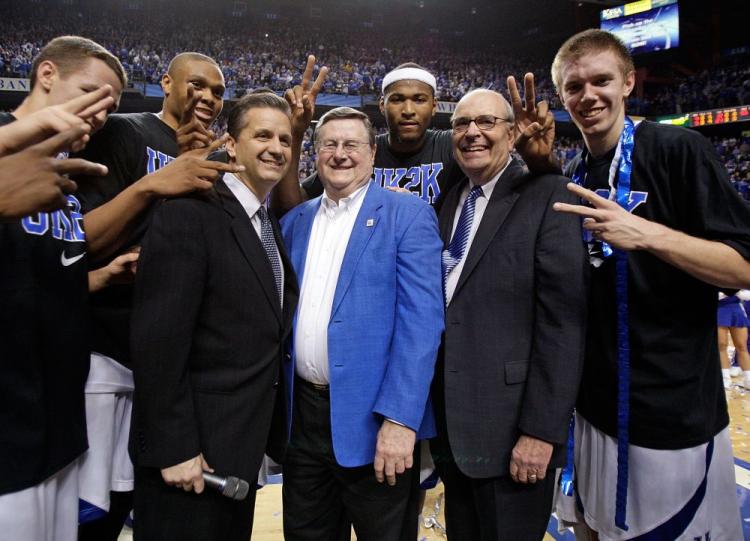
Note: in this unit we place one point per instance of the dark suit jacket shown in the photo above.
(511, 356)
(207, 337)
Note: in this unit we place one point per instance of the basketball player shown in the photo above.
(665, 229)
(412, 156)
(141, 151)
(31, 178)
(43, 303)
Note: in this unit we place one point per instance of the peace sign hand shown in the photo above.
(535, 124)
(609, 222)
(301, 98)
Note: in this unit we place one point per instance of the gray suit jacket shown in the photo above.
(512, 352)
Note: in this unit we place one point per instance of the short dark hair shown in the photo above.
(69, 53)
(343, 113)
(590, 41)
(181, 58)
(260, 97)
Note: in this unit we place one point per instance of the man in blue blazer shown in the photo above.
(365, 341)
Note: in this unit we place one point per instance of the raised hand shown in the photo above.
(189, 172)
(49, 121)
(535, 123)
(301, 98)
(191, 133)
(34, 180)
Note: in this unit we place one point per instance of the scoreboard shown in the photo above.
(644, 26)
(712, 117)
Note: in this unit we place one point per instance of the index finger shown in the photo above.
(101, 105)
(81, 103)
(596, 200)
(529, 93)
(192, 101)
(515, 97)
(307, 75)
(319, 80)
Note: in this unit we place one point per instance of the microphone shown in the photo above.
(231, 487)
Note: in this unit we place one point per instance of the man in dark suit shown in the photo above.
(215, 297)
(510, 361)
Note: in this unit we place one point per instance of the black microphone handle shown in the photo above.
(231, 487)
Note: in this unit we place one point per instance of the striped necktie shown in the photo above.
(454, 253)
(269, 245)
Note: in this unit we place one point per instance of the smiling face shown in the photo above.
(408, 107)
(483, 153)
(342, 171)
(207, 81)
(264, 147)
(593, 90)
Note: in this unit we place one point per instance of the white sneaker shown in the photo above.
(735, 371)
(727, 383)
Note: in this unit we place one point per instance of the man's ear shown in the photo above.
(629, 83)
(166, 84)
(382, 105)
(46, 74)
(231, 147)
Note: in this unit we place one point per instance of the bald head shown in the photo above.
(486, 95)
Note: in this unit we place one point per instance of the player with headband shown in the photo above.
(412, 156)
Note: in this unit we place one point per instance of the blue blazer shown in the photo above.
(386, 321)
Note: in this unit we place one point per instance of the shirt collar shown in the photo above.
(351, 203)
(489, 187)
(244, 195)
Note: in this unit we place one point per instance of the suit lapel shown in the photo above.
(503, 198)
(301, 235)
(291, 287)
(364, 226)
(250, 245)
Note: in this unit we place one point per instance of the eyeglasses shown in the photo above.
(483, 122)
(350, 147)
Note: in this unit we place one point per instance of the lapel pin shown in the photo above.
(370, 222)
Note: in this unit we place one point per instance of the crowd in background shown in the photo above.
(271, 53)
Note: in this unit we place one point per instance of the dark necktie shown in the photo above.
(457, 246)
(269, 245)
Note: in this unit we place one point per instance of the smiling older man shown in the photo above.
(365, 341)
(510, 361)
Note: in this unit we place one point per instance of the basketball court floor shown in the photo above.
(268, 512)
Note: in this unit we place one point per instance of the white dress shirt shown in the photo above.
(329, 237)
(251, 204)
(479, 207)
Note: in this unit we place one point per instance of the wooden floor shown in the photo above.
(268, 517)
